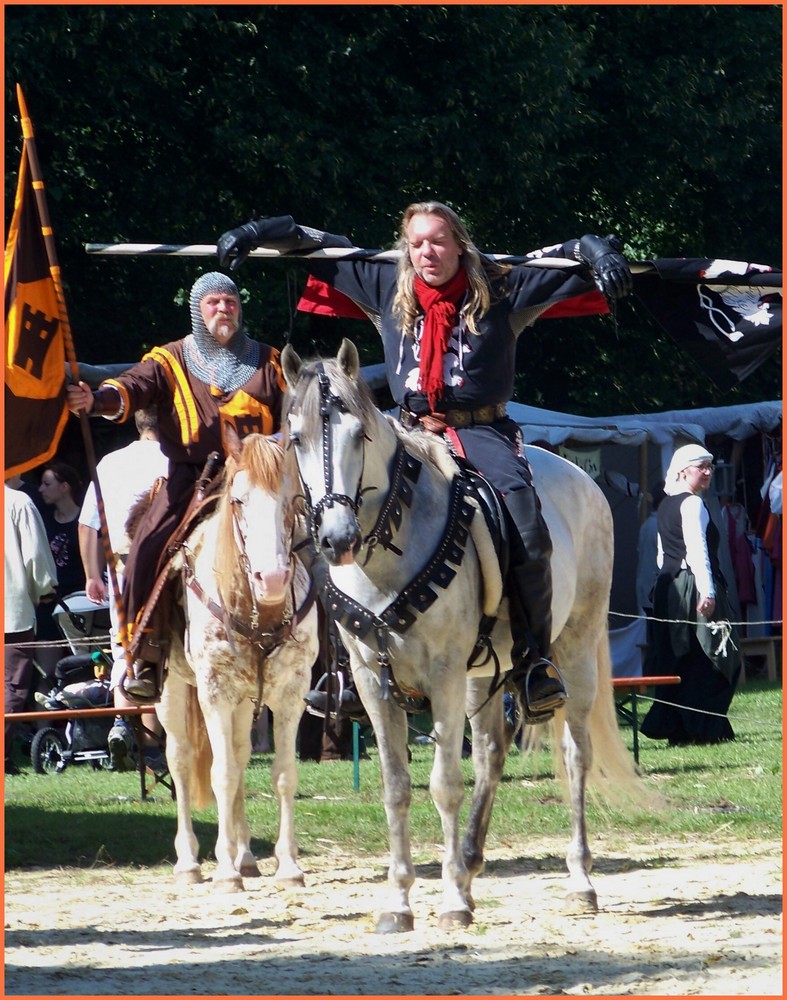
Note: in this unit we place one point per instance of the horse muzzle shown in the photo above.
(271, 587)
(340, 548)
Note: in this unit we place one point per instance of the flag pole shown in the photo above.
(31, 152)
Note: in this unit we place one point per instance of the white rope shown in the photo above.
(680, 621)
(736, 716)
(91, 640)
(724, 630)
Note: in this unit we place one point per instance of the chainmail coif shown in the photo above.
(229, 367)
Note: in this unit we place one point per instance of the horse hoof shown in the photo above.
(454, 919)
(191, 877)
(250, 871)
(291, 882)
(394, 923)
(229, 885)
(581, 902)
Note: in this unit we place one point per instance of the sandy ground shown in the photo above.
(674, 920)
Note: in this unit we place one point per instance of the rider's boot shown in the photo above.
(143, 681)
(529, 588)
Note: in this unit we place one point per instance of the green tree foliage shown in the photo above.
(537, 123)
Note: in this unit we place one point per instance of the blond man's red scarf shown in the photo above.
(441, 314)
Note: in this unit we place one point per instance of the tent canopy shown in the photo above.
(738, 422)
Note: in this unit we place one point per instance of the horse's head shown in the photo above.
(257, 532)
(328, 412)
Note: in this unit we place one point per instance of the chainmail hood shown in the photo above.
(228, 367)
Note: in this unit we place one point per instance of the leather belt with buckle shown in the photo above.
(482, 415)
(458, 418)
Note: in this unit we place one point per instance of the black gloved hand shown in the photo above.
(278, 232)
(610, 268)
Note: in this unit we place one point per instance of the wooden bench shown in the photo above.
(627, 706)
(764, 645)
(134, 716)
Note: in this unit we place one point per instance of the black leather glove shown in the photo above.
(279, 232)
(610, 268)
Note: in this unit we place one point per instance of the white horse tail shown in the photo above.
(613, 778)
(613, 775)
(200, 789)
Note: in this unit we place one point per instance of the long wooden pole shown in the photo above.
(65, 325)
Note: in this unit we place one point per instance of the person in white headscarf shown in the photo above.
(215, 378)
(692, 636)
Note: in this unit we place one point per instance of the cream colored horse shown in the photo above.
(412, 569)
(251, 636)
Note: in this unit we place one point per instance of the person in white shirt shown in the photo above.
(30, 579)
(124, 476)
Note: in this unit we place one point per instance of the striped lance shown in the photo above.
(333, 253)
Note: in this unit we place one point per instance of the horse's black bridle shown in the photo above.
(329, 401)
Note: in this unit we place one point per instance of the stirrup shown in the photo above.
(317, 701)
(141, 692)
(544, 709)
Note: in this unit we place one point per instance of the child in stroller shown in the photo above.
(82, 680)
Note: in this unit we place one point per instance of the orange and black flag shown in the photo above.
(35, 383)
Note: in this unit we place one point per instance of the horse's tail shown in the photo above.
(200, 789)
(613, 775)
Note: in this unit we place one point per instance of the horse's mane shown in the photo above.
(355, 395)
(261, 458)
(357, 400)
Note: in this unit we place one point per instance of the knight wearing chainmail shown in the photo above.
(449, 321)
(214, 378)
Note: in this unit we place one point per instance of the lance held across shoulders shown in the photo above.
(737, 272)
(324, 253)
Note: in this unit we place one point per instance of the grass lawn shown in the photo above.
(85, 817)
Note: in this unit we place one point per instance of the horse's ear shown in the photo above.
(348, 358)
(232, 442)
(291, 365)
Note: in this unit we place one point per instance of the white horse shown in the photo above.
(250, 639)
(412, 570)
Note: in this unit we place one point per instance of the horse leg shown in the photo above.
(491, 740)
(225, 777)
(447, 788)
(172, 711)
(245, 862)
(284, 780)
(390, 727)
(579, 665)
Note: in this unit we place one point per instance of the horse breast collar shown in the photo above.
(406, 471)
(418, 595)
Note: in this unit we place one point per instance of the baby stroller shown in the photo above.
(81, 681)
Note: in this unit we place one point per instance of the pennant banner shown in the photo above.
(727, 315)
(35, 384)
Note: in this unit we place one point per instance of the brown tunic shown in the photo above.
(193, 418)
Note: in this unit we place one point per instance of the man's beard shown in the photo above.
(222, 329)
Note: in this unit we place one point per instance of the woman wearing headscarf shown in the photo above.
(692, 634)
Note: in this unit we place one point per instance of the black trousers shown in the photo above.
(19, 669)
(496, 451)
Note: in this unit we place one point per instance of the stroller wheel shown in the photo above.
(46, 751)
